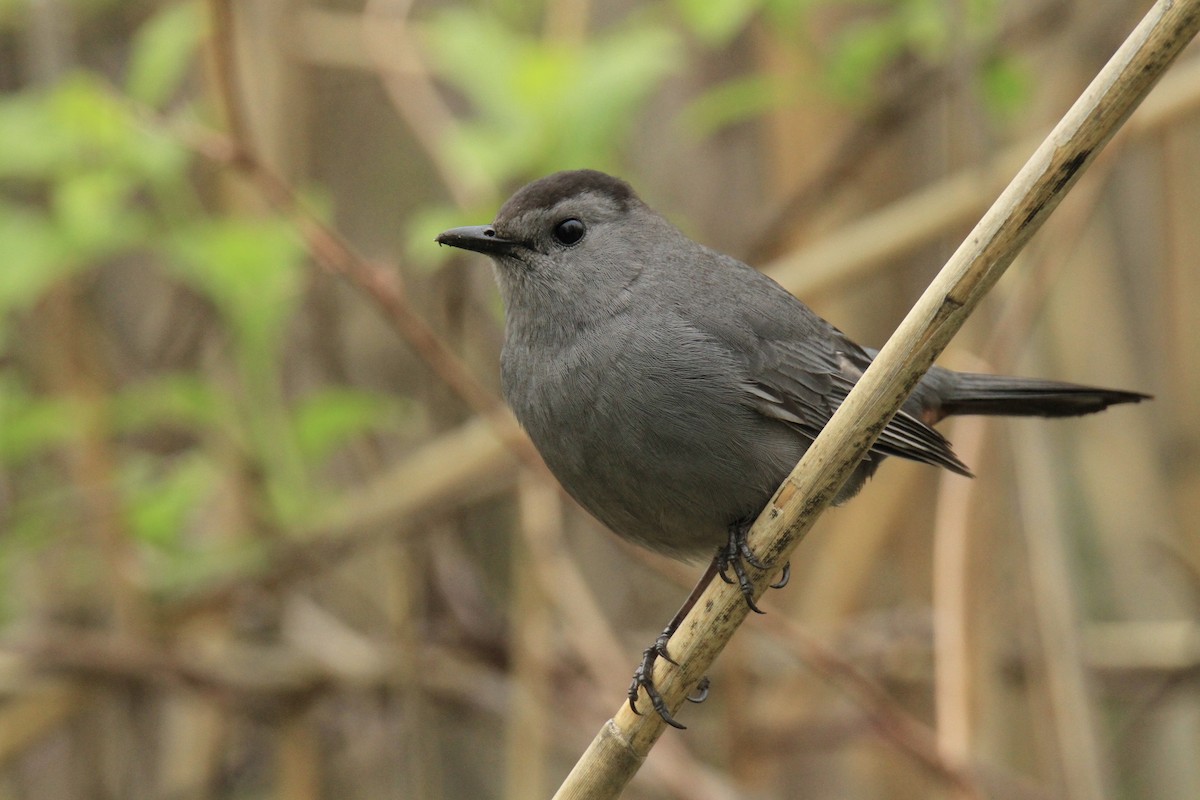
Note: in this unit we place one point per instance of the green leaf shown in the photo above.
(32, 423)
(103, 133)
(163, 51)
(163, 497)
(860, 53)
(180, 399)
(1006, 87)
(250, 269)
(330, 417)
(544, 105)
(33, 255)
(32, 145)
(924, 27)
(93, 213)
(80, 124)
(97, 121)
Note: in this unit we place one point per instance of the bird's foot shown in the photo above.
(643, 678)
(736, 554)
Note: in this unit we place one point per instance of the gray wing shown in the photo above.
(799, 368)
(802, 385)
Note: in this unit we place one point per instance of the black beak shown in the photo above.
(480, 238)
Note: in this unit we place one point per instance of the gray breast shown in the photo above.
(650, 433)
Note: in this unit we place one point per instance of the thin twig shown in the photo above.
(334, 254)
(224, 64)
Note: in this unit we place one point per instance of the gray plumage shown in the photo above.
(671, 388)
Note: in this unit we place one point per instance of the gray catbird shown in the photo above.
(671, 388)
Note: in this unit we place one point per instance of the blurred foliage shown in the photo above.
(88, 177)
(542, 104)
(180, 403)
(91, 174)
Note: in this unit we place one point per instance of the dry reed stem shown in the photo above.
(624, 741)
(906, 733)
(953, 686)
(1056, 617)
(957, 684)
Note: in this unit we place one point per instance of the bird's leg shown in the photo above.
(643, 676)
(737, 553)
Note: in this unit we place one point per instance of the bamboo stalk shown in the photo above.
(624, 741)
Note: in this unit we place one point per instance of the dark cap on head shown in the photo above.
(553, 189)
(504, 238)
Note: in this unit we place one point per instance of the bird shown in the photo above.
(671, 388)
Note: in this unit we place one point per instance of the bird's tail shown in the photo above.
(974, 393)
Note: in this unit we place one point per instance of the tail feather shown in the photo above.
(974, 393)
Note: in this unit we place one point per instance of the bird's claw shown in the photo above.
(736, 554)
(701, 692)
(784, 577)
(643, 678)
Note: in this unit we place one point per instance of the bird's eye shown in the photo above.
(569, 231)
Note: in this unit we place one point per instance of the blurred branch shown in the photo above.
(224, 63)
(900, 103)
(953, 640)
(619, 748)
(40, 708)
(297, 759)
(243, 673)
(858, 249)
(335, 255)
(526, 732)
(1081, 759)
(396, 57)
(459, 467)
(907, 734)
(1165, 647)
